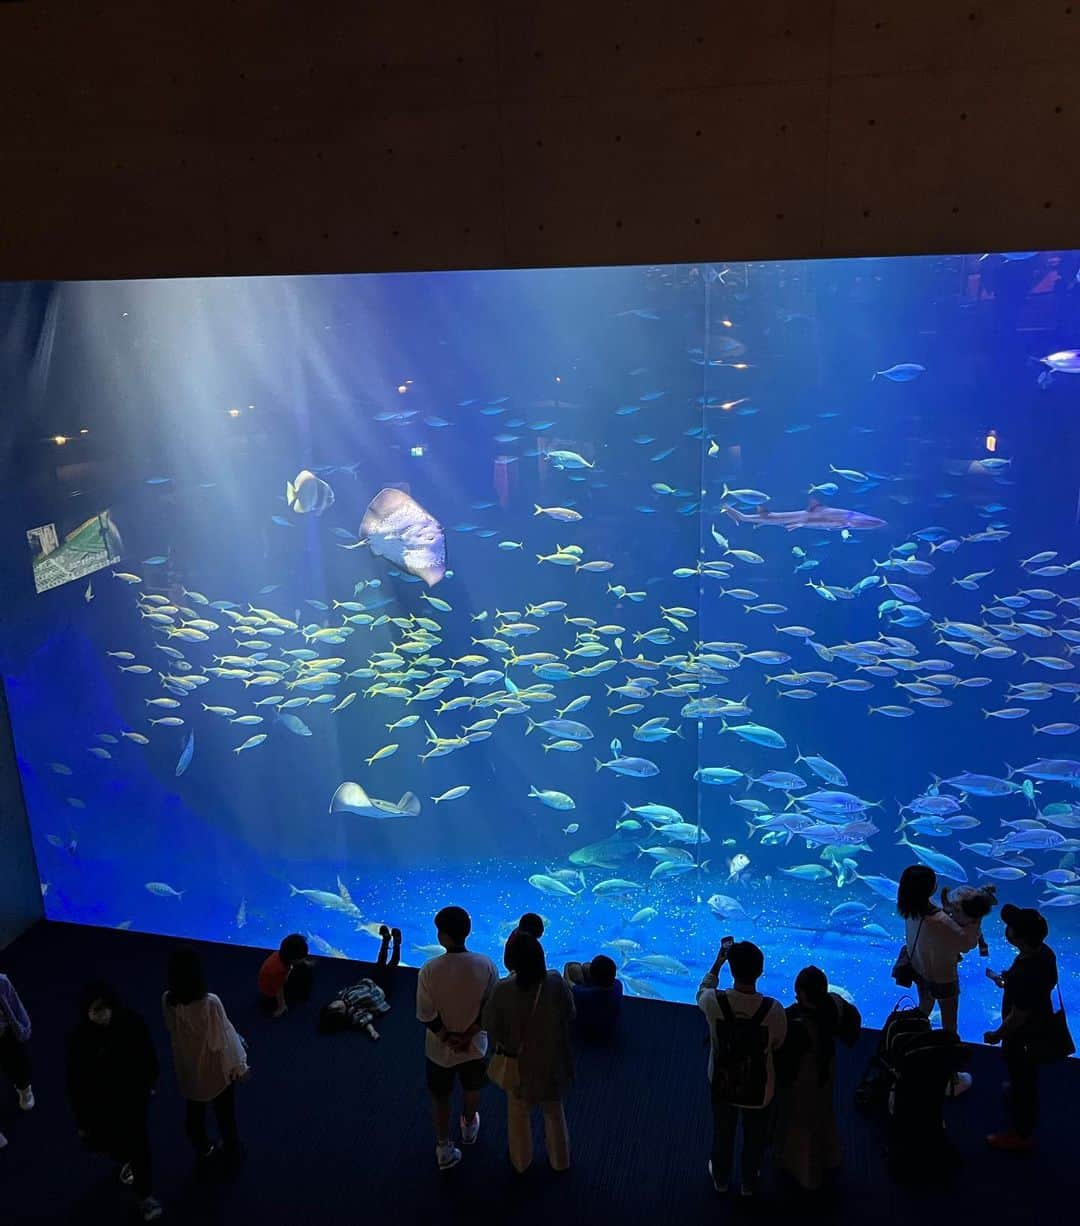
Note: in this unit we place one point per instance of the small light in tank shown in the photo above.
(417, 451)
(402, 388)
(59, 439)
(84, 431)
(558, 378)
(234, 412)
(991, 440)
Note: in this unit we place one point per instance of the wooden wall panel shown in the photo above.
(141, 138)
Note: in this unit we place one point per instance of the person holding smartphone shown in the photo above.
(1027, 1009)
(745, 1030)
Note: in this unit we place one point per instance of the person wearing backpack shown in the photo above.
(745, 1030)
(806, 1145)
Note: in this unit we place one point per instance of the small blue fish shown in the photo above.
(158, 480)
(281, 522)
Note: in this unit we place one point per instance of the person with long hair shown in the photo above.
(208, 1054)
(806, 1146)
(528, 1015)
(111, 1070)
(935, 944)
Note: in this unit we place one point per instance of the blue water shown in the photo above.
(674, 386)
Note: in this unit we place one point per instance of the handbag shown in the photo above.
(504, 1069)
(1054, 1043)
(903, 972)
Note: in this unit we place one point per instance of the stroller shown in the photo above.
(904, 1086)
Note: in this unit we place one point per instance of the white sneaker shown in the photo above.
(26, 1099)
(469, 1132)
(150, 1209)
(3, 1140)
(960, 1084)
(127, 1175)
(448, 1155)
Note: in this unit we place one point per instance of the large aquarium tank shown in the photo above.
(669, 602)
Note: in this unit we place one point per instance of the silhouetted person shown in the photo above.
(208, 1055)
(1027, 1012)
(806, 1144)
(597, 997)
(935, 945)
(530, 923)
(745, 1029)
(528, 1015)
(111, 1070)
(451, 990)
(285, 977)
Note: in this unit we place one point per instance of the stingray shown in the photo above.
(351, 798)
(399, 529)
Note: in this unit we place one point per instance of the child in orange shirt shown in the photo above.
(285, 976)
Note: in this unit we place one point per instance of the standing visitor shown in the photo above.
(530, 923)
(745, 1030)
(14, 1046)
(208, 1055)
(934, 943)
(1028, 1034)
(451, 991)
(806, 1146)
(528, 1020)
(111, 1070)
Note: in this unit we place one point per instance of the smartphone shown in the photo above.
(726, 943)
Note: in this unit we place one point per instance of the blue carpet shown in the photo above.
(337, 1127)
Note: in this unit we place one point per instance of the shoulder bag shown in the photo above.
(504, 1068)
(1054, 1043)
(903, 972)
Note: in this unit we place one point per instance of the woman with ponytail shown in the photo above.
(807, 1144)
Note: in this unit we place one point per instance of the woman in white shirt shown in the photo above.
(208, 1054)
(935, 944)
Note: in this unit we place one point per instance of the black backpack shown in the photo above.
(740, 1054)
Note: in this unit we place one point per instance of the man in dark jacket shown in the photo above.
(111, 1070)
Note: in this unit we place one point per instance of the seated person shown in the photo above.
(531, 923)
(597, 996)
(285, 977)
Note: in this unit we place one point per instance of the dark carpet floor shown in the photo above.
(337, 1127)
